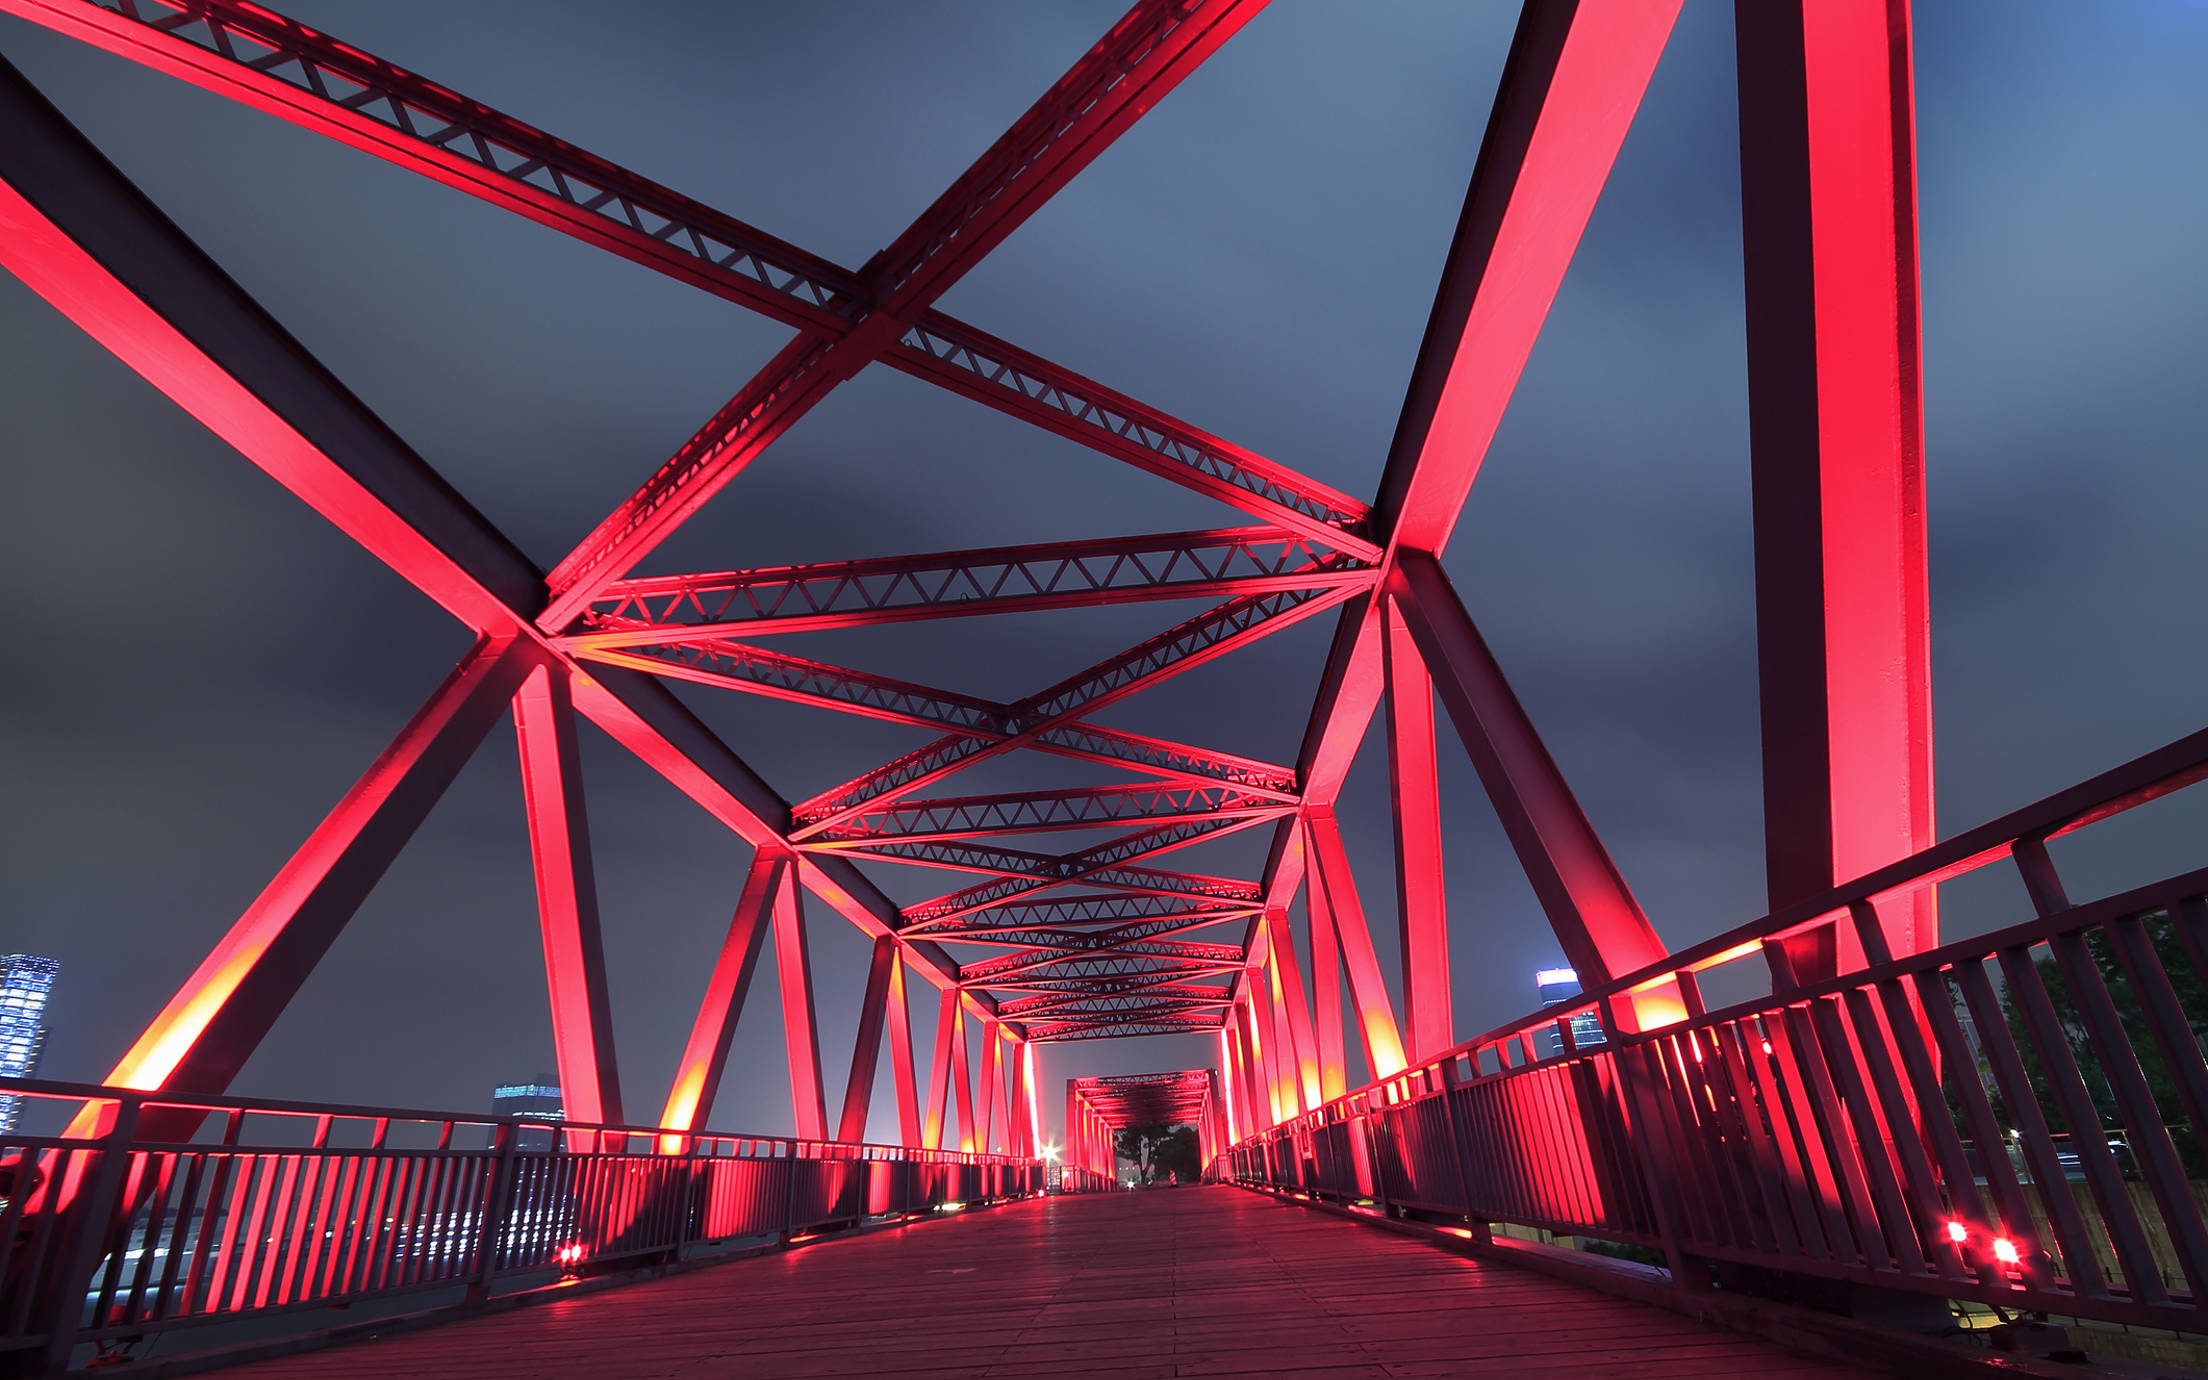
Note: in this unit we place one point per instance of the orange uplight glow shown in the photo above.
(1655, 1010)
(1465, 1232)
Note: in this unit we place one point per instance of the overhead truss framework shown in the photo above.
(1049, 939)
(1098, 1108)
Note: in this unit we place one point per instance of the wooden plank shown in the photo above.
(1192, 1281)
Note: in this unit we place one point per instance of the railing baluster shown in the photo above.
(2087, 1139)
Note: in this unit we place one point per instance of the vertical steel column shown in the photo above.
(1421, 897)
(900, 1057)
(1286, 1057)
(567, 898)
(1326, 988)
(1254, 1018)
(1593, 912)
(866, 1050)
(1288, 992)
(962, 1078)
(800, 1035)
(224, 1010)
(939, 1071)
(1836, 443)
(1336, 890)
(698, 1076)
(992, 1083)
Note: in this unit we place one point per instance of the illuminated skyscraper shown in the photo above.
(25, 982)
(1558, 986)
(536, 1099)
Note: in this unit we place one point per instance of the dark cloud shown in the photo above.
(200, 666)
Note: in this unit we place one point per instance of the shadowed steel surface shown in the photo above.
(1193, 1281)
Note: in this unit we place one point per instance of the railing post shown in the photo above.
(789, 1197)
(1457, 1156)
(497, 1205)
(83, 1245)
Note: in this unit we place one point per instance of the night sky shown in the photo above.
(198, 666)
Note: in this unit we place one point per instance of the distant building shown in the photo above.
(538, 1099)
(541, 1098)
(26, 980)
(1558, 986)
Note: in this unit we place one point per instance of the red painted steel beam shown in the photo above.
(1156, 994)
(1836, 433)
(1210, 635)
(1100, 908)
(668, 609)
(1326, 985)
(939, 1071)
(639, 714)
(1590, 907)
(697, 1078)
(866, 1049)
(990, 371)
(1026, 812)
(1572, 82)
(1132, 67)
(1333, 890)
(800, 1033)
(277, 65)
(920, 919)
(991, 1108)
(222, 1012)
(567, 899)
(967, 855)
(900, 1058)
(753, 670)
(1094, 947)
(79, 234)
(1295, 1004)
(962, 1083)
(1421, 894)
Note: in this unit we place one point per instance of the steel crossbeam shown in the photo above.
(1203, 638)
(1035, 812)
(1156, 994)
(1073, 950)
(1058, 868)
(663, 610)
(777, 675)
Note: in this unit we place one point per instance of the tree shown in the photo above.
(2161, 1082)
(1160, 1149)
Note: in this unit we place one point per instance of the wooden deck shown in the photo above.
(1209, 1281)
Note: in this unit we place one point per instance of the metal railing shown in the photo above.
(1075, 1179)
(2013, 1118)
(187, 1211)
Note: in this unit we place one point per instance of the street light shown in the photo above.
(1050, 1152)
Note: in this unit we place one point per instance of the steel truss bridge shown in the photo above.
(2008, 1121)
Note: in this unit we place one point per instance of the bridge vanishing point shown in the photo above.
(1900, 1155)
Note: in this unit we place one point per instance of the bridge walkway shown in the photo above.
(1192, 1281)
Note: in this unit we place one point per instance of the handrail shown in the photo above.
(2148, 777)
(131, 1231)
(2018, 1118)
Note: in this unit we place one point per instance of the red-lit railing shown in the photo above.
(2013, 1118)
(195, 1211)
(1074, 1179)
